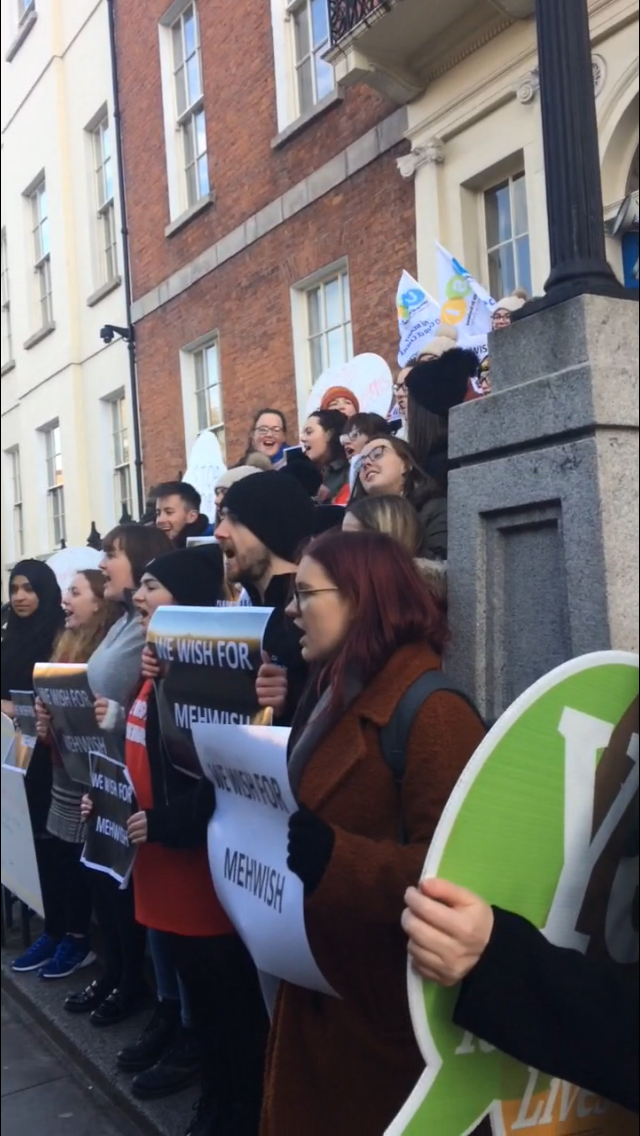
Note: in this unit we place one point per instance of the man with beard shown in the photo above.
(264, 522)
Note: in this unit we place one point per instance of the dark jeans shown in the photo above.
(123, 939)
(66, 894)
(231, 1024)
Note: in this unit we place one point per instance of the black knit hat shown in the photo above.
(306, 473)
(194, 576)
(276, 509)
(326, 518)
(440, 384)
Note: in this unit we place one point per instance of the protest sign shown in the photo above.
(248, 843)
(65, 691)
(210, 658)
(19, 867)
(107, 848)
(24, 703)
(418, 319)
(8, 741)
(206, 463)
(367, 376)
(539, 825)
(67, 562)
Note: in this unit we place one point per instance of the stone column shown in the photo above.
(543, 511)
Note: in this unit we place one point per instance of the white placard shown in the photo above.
(69, 561)
(248, 847)
(368, 376)
(19, 864)
(206, 463)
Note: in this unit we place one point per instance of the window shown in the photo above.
(189, 105)
(103, 167)
(121, 457)
(206, 363)
(42, 253)
(507, 229)
(16, 502)
(55, 483)
(329, 334)
(314, 78)
(7, 338)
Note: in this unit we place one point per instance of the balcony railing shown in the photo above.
(345, 15)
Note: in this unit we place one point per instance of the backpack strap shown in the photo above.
(394, 737)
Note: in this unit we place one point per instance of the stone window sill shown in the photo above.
(38, 336)
(189, 215)
(24, 30)
(7, 367)
(299, 124)
(104, 291)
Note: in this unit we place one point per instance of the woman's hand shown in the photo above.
(101, 709)
(86, 808)
(8, 708)
(138, 828)
(449, 930)
(272, 686)
(150, 665)
(43, 720)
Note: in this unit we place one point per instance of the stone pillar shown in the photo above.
(543, 511)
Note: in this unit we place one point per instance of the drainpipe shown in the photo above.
(126, 268)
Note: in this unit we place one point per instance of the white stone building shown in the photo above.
(66, 413)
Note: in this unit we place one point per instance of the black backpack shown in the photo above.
(394, 737)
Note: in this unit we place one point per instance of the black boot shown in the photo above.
(154, 1040)
(177, 1069)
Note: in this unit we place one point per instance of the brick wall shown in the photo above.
(370, 219)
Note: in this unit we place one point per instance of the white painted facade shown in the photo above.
(57, 107)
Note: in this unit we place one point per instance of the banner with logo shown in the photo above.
(538, 824)
(464, 302)
(24, 703)
(107, 848)
(248, 847)
(210, 658)
(418, 318)
(64, 689)
(19, 867)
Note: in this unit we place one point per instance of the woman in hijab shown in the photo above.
(35, 620)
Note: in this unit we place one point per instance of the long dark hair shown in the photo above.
(419, 487)
(391, 605)
(334, 423)
(428, 436)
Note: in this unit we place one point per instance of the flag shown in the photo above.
(464, 302)
(418, 318)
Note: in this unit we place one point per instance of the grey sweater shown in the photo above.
(114, 669)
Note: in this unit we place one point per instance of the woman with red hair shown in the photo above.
(346, 1065)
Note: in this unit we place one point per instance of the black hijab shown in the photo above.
(26, 642)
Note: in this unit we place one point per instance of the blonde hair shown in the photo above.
(78, 646)
(394, 516)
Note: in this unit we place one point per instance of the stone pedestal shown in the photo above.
(543, 511)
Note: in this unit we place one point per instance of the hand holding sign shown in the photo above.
(449, 929)
(272, 685)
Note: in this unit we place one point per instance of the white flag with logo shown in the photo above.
(464, 302)
(418, 318)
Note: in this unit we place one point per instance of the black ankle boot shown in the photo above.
(154, 1040)
(178, 1069)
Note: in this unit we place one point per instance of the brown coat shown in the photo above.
(346, 1067)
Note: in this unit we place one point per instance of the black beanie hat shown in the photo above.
(194, 576)
(440, 384)
(276, 509)
(306, 473)
(326, 518)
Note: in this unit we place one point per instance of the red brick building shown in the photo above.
(268, 221)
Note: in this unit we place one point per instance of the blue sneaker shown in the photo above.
(72, 954)
(37, 956)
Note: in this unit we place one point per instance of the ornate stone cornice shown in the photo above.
(430, 154)
(529, 86)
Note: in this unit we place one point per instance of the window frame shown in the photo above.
(121, 455)
(55, 487)
(314, 53)
(302, 335)
(186, 140)
(203, 392)
(509, 180)
(17, 503)
(7, 356)
(41, 252)
(103, 180)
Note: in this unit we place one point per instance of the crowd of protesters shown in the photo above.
(344, 536)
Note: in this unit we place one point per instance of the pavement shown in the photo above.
(90, 1051)
(43, 1092)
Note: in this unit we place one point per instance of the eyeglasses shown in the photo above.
(262, 431)
(301, 596)
(352, 437)
(400, 388)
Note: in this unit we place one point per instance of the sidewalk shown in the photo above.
(42, 1092)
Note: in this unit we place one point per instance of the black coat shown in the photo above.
(282, 640)
(182, 806)
(569, 1016)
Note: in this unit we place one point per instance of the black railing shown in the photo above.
(345, 15)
